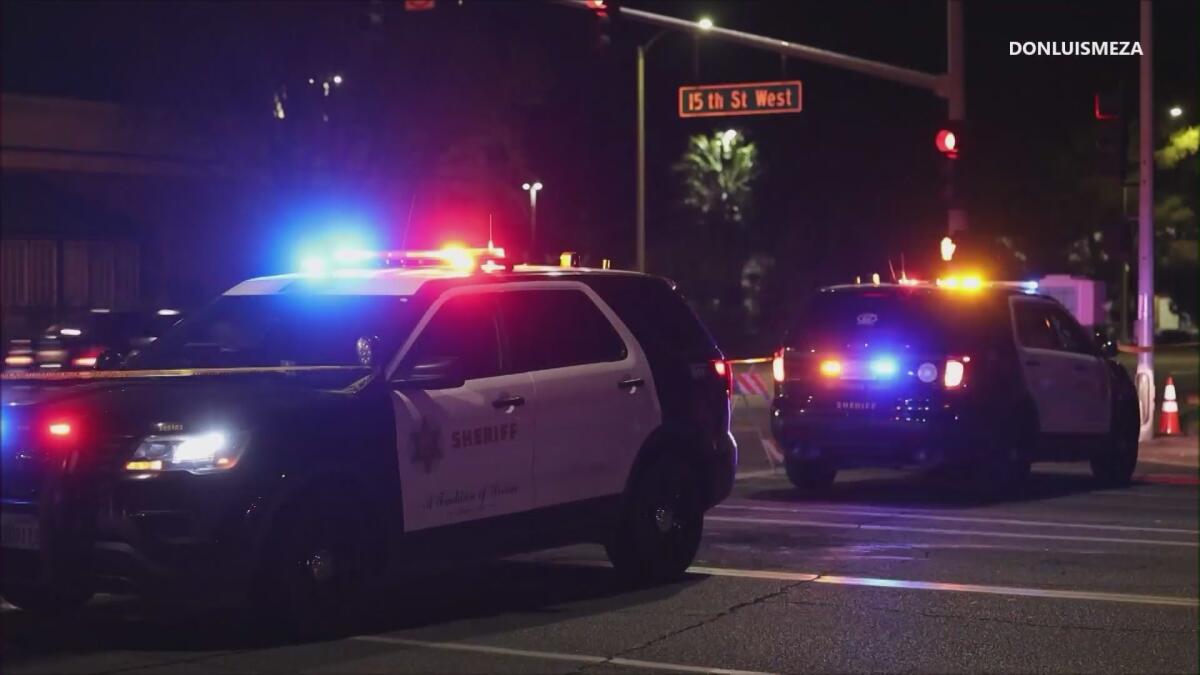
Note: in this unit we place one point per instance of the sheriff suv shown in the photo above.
(973, 378)
(306, 435)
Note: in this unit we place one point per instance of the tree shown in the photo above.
(1176, 229)
(718, 171)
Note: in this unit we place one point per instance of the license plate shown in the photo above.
(18, 530)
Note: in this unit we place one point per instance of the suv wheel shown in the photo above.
(314, 573)
(1005, 467)
(659, 532)
(1114, 464)
(46, 600)
(810, 474)
(999, 476)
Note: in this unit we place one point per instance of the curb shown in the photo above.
(1173, 451)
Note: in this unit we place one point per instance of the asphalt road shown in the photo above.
(885, 572)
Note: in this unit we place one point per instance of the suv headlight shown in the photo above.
(207, 452)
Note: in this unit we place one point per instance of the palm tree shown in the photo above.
(718, 171)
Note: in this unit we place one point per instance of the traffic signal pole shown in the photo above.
(948, 86)
(1144, 377)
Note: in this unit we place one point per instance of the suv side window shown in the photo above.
(464, 327)
(556, 328)
(660, 318)
(1034, 327)
(1071, 336)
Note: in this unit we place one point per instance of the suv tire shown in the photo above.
(1113, 466)
(314, 571)
(810, 474)
(1010, 449)
(659, 530)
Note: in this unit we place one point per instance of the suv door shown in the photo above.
(1087, 380)
(465, 452)
(596, 398)
(1060, 375)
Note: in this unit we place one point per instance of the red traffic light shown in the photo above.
(947, 143)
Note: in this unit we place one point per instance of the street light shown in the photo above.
(705, 23)
(1175, 111)
(532, 188)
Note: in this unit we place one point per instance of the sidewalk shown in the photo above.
(1171, 450)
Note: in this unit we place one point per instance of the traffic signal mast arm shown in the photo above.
(938, 84)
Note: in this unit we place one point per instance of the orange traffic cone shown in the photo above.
(1168, 421)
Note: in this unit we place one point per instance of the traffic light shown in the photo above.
(950, 141)
(947, 249)
(947, 141)
(604, 11)
(1110, 133)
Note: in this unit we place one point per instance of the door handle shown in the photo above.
(631, 383)
(1034, 363)
(1079, 368)
(508, 402)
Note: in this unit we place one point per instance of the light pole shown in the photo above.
(642, 49)
(1144, 374)
(532, 188)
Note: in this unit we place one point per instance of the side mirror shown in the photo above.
(435, 373)
(110, 359)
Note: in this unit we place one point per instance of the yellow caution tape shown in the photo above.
(763, 359)
(83, 375)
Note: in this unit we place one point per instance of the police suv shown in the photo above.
(979, 378)
(307, 434)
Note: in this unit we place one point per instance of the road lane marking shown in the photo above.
(768, 575)
(553, 656)
(946, 531)
(960, 519)
(760, 473)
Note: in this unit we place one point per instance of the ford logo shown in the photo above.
(867, 319)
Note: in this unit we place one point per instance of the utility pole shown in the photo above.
(641, 158)
(1145, 296)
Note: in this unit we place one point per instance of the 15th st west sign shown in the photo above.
(748, 98)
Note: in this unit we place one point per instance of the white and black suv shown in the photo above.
(306, 435)
(980, 382)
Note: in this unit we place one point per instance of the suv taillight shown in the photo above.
(777, 371)
(724, 371)
(954, 374)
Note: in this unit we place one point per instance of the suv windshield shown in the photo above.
(289, 329)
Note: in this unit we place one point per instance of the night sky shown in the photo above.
(848, 183)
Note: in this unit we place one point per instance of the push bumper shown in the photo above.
(162, 537)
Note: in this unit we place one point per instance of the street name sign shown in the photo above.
(747, 98)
